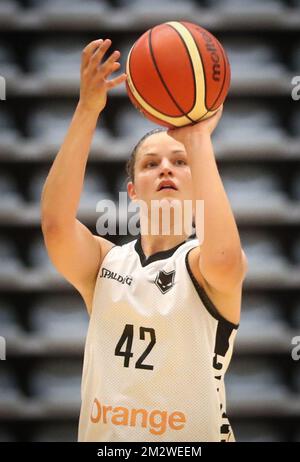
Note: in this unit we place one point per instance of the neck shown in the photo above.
(154, 240)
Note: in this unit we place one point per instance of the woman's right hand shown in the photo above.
(94, 75)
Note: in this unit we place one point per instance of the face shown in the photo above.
(161, 171)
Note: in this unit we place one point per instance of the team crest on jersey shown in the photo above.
(165, 281)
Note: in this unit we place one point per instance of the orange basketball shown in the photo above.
(178, 74)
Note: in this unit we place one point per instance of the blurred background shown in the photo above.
(257, 146)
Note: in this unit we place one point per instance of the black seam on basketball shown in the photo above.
(162, 80)
(133, 83)
(191, 62)
(142, 109)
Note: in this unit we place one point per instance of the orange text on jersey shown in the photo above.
(155, 420)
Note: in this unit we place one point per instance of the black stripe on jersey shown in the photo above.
(222, 338)
(156, 256)
(205, 299)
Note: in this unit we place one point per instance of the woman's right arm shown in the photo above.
(73, 249)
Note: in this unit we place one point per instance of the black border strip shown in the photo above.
(156, 256)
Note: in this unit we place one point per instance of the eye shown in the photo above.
(150, 164)
(180, 162)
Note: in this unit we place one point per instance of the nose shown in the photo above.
(166, 168)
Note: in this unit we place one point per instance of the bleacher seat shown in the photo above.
(9, 324)
(8, 65)
(9, 257)
(296, 56)
(296, 185)
(7, 436)
(295, 122)
(57, 58)
(157, 6)
(249, 125)
(253, 59)
(296, 3)
(8, 7)
(8, 130)
(261, 318)
(296, 316)
(59, 317)
(9, 389)
(264, 253)
(70, 7)
(50, 122)
(297, 432)
(94, 190)
(38, 257)
(9, 193)
(238, 6)
(131, 125)
(57, 381)
(252, 188)
(254, 381)
(297, 374)
(36, 183)
(124, 48)
(121, 183)
(52, 433)
(296, 250)
(257, 432)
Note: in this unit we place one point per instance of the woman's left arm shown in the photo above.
(222, 261)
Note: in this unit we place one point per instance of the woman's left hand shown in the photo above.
(205, 126)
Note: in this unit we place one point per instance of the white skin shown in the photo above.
(160, 157)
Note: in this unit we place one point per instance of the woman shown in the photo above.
(165, 307)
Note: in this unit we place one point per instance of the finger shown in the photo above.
(110, 65)
(89, 50)
(98, 55)
(117, 81)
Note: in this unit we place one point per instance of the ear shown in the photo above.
(131, 190)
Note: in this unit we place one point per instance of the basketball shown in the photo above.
(178, 74)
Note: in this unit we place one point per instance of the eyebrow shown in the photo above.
(174, 151)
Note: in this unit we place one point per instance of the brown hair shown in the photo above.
(130, 164)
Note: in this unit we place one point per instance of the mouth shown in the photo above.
(167, 186)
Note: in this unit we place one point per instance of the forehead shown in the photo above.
(157, 143)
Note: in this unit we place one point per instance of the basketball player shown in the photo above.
(164, 309)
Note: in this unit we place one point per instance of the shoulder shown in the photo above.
(120, 250)
(87, 292)
(228, 304)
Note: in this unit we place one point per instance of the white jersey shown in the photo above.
(156, 352)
